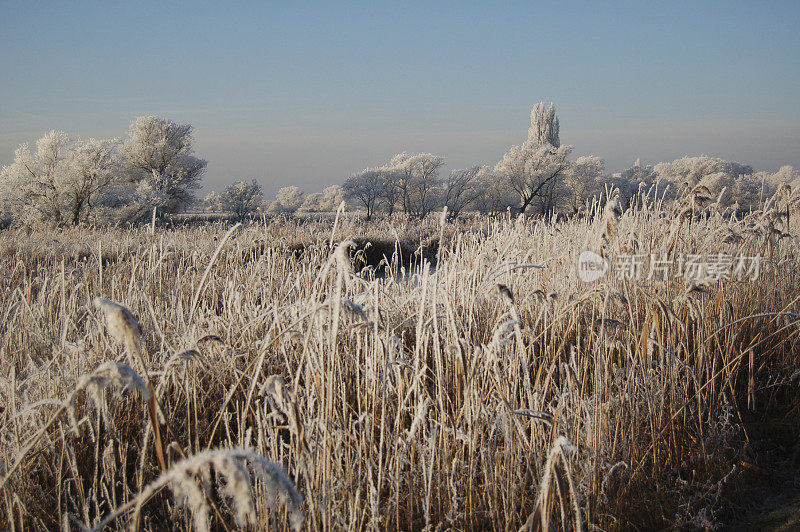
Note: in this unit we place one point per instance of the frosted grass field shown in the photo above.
(297, 383)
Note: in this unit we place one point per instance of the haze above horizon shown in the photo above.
(308, 93)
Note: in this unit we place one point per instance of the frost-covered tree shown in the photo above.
(414, 179)
(212, 202)
(59, 182)
(276, 208)
(495, 193)
(785, 191)
(242, 198)
(400, 180)
(689, 171)
(425, 171)
(31, 184)
(753, 191)
(460, 190)
(729, 183)
(332, 197)
(583, 181)
(290, 197)
(640, 173)
(786, 175)
(311, 203)
(532, 171)
(366, 189)
(390, 197)
(728, 190)
(746, 192)
(93, 172)
(288, 200)
(326, 201)
(161, 163)
(544, 128)
(534, 167)
(629, 182)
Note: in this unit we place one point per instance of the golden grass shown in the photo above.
(418, 398)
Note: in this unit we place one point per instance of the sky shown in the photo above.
(306, 93)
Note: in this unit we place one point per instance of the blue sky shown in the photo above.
(306, 93)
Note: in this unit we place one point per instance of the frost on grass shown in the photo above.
(562, 451)
(108, 374)
(275, 388)
(424, 383)
(190, 482)
(120, 324)
(113, 374)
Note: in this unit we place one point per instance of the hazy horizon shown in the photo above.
(306, 95)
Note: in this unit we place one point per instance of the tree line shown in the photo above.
(154, 168)
(67, 182)
(538, 177)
